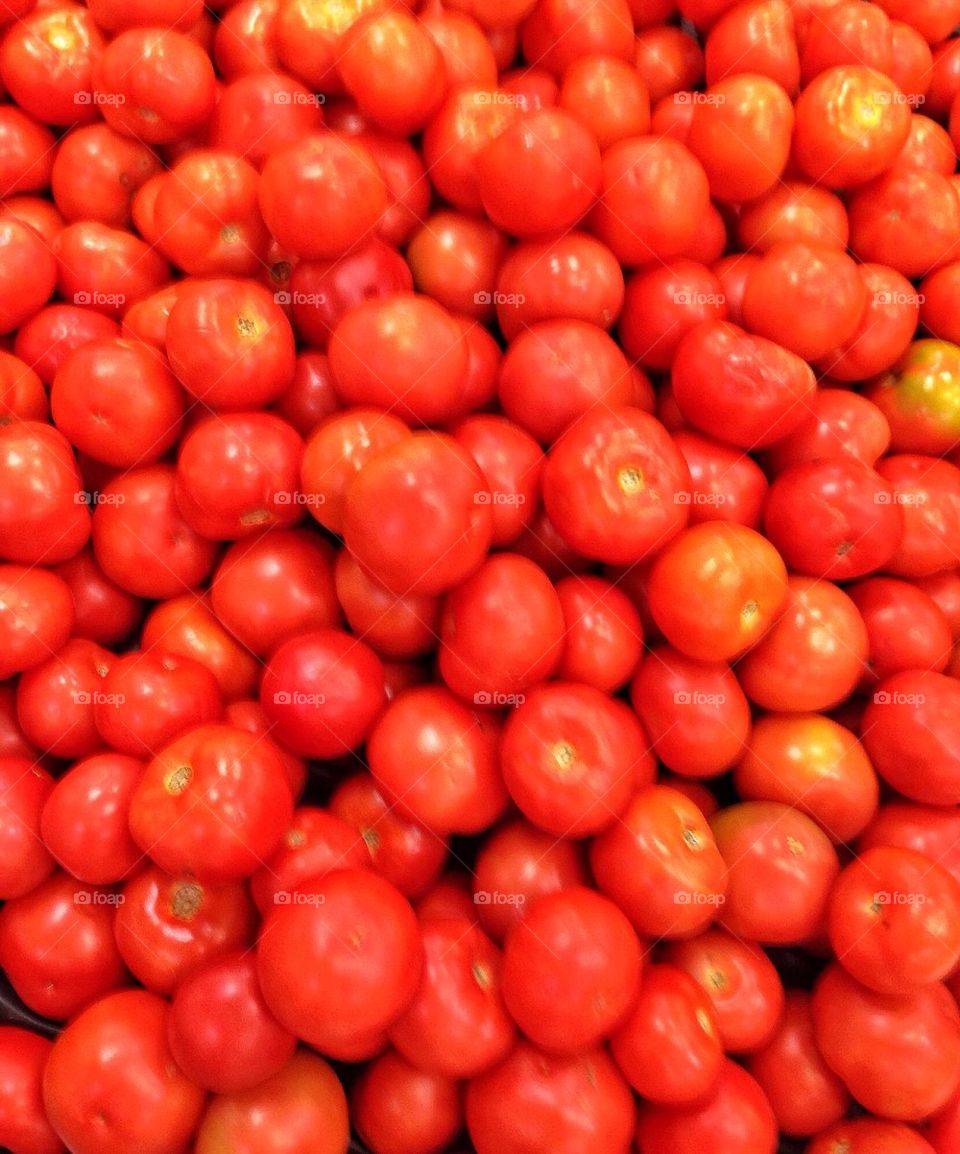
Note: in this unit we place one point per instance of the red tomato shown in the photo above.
(603, 633)
(457, 1024)
(804, 1093)
(781, 868)
(568, 1104)
(132, 1094)
(860, 1033)
(36, 616)
(97, 172)
(24, 858)
(340, 962)
(23, 1121)
(399, 1109)
(213, 803)
(870, 1136)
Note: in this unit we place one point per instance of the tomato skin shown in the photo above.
(928, 830)
(907, 731)
(781, 867)
(571, 970)
(348, 993)
(894, 920)
(760, 389)
(737, 1114)
(804, 1093)
(571, 757)
(113, 166)
(571, 1103)
(735, 571)
(322, 692)
(208, 777)
(42, 521)
(303, 1101)
(610, 485)
(906, 627)
(55, 699)
(28, 152)
(457, 1024)
(928, 490)
(36, 616)
(399, 1109)
(131, 1084)
(603, 633)
(920, 397)
(858, 1030)
(84, 818)
(741, 982)
(24, 1128)
(660, 864)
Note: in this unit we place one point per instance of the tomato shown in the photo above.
(603, 29)
(894, 920)
(303, 1101)
(341, 961)
(781, 867)
(905, 626)
(91, 402)
(132, 1094)
(454, 258)
(213, 803)
(24, 858)
(28, 152)
(740, 981)
(261, 111)
(516, 865)
(928, 490)
(154, 84)
(907, 729)
(457, 1024)
(804, 1093)
(758, 38)
(610, 485)
(84, 819)
(55, 699)
(274, 586)
(571, 970)
(899, 1054)
(885, 329)
(322, 692)
(24, 1128)
(230, 344)
(415, 515)
(735, 1115)
(869, 1136)
(140, 539)
(653, 194)
(410, 856)
(36, 616)
(793, 211)
(571, 757)
(660, 864)
(512, 463)
(96, 173)
(326, 174)
(309, 398)
(453, 785)
(400, 1109)
(928, 830)
(57, 946)
(568, 1103)
(760, 390)
(603, 633)
(735, 572)
(920, 397)
(43, 517)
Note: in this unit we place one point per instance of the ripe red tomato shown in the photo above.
(341, 960)
(23, 1120)
(132, 1094)
(870, 1136)
(567, 1103)
(396, 1106)
(213, 803)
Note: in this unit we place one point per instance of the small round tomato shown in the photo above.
(898, 1054)
(340, 962)
(740, 584)
(304, 1101)
(565, 1104)
(660, 864)
(793, 211)
(322, 692)
(457, 1024)
(571, 757)
(417, 514)
(905, 626)
(132, 1095)
(781, 867)
(611, 484)
(55, 699)
(741, 982)
(603, 633)
(398, 1107)
(802, 1090)
(214, 803)
(97, 172)
(735, 1115)
(571, 970)
(24, 1127)
(36, 617)
(920, 397)
(24, 858)
(870, 1136)
(928, 491)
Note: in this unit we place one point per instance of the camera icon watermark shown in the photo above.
(100, 98)
(296, 898)
(295, 697)
(95, 697)
(687, 97)
(498, 898)
(496, 497)
(898, 898)
(898, 498)
(100, 300)
(697, 898)
(501, 300)
(313, 300)
(885, 697)
(97, 898)
(685, 297)
(898, 298)
(86, 497)
(694, 697)
(501, 700)
(288, 497)
(696, 497)
(310, 98)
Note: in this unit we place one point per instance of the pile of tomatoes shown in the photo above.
(480, 576)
